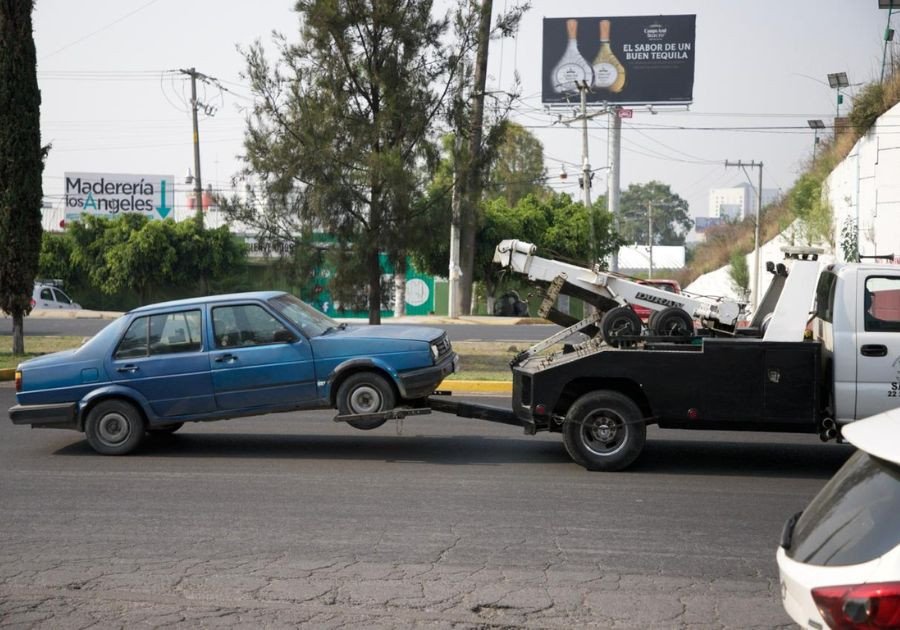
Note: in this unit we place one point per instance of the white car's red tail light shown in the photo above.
(859, 607)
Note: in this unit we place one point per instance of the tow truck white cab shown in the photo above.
(791, 370)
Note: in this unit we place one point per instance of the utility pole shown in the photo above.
(759, 165)
(650, 238)
(615, 157)
(583, 87)
(198, 185)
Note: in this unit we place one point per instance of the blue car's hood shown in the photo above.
(409, 333)
(372, 341)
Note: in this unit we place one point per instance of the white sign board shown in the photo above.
(111, 194)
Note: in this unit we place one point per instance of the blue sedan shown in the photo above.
(225, 356)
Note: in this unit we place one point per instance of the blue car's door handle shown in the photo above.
(226, 358)
(128, 369)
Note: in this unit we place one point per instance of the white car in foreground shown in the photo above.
(839, 559)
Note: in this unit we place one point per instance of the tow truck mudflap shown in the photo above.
(441, 403)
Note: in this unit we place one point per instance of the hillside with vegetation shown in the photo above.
(804, 201)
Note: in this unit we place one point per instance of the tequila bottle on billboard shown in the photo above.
(609, 73)
(572, 67)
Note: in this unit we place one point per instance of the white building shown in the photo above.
(738, 202)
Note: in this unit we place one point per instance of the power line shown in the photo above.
(99, 30)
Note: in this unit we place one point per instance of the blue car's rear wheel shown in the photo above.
(365, 392)
(114, 427)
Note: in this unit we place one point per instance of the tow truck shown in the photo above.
(602, 380)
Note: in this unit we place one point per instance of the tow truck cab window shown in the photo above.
(825, 296)
(881, 304)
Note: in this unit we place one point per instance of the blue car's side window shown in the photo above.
(247, 325)
(175, 332)
(134, 343)
(168, 333)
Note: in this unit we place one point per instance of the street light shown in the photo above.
(815, 125)
(836, 81)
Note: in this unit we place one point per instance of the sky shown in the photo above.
(111, 102)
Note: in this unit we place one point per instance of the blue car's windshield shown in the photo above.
(310, 321)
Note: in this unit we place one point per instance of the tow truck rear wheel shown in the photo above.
(672, 322)
(365, 392)
(620, 321)
(604, 430)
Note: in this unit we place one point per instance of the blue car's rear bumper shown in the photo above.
(55, 416)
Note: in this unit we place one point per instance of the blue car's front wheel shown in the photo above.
(114, 427)
(365, 392)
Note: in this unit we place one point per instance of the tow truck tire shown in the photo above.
(604, 430)
(673, 322)
(365, 392)
(114, 427)
(619, 321)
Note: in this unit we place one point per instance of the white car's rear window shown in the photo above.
(854, 519)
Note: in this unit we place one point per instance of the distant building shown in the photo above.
(738, 202)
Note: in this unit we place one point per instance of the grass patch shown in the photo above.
(485, 360)
(34, 346)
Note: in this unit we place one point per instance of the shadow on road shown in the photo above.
(763, 459)
(660, 456)
(443, 450)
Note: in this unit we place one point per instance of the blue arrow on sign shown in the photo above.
(162, 208)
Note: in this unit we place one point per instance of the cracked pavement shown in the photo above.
(291, 521)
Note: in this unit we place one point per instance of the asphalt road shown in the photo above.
(457, 332)
(292, 520)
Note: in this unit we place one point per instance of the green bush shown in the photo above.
(868, 105)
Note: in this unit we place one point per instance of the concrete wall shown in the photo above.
(865, 188)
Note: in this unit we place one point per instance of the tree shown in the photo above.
(518, 166)
(671, 217)
(739, 273)
(555, 223)
(342, 122)
(473, 152)
(205, 254)
(21, 164)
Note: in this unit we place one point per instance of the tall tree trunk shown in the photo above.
(472, 195)
(18, 334)
(400, 288)
(374, 271)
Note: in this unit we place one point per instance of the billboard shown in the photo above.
(629, 60)
(110, 194)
